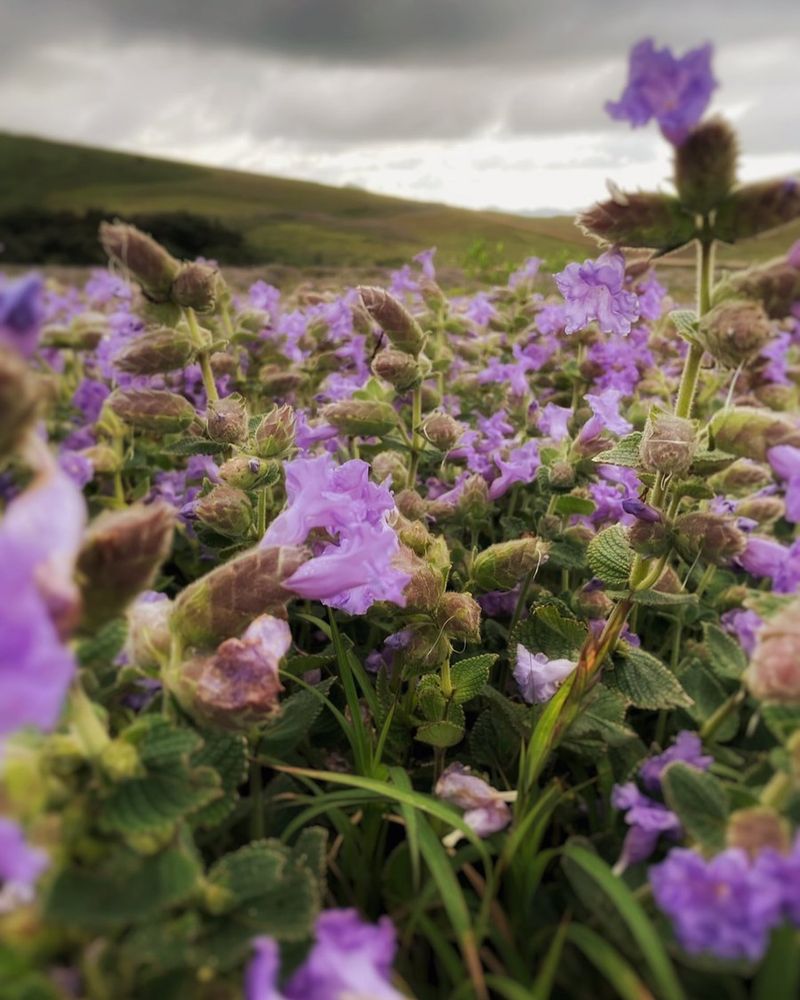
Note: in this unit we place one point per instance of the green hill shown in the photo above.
(279, 220)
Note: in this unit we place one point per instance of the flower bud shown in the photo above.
(668, 444)
(763, 510)
(459, 616)
(152, 409)
(425, 648)
(19, 400)
(226, 510)
(593, 602)
(411, 505)
(756, 208)
(426, 586)
(503, 566)
(640, 219)
(774, 670)
(278, 381)
(119, 760)
(140, 257)
(414, 534)
(753, 829)
(750, 433)
(713, 537)
(735, 331)
(705, 165)
(221, 603)
(743, 476)
(227, 420)
(148, 641)
(473, 501)
(562, 475)
(776, 285)
(393, 318)
(275, 434)
(397, 368)
(223, 363)
(237, 687)
(390, 465)
(650, 538)
(104, 459)
(777, 397)
(247, 472)
(121, 554)
(361, 417)
(550, 525)
(84, 333)
(155, 351)
(253, 321)
(196, 286)
(442, 431)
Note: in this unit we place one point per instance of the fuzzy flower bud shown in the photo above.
(397, 368)
(152, 409)
(19, 400)
(762, 510)
(121, 554)
(274, 436)
(278, 381)
(148, 639)
(155, 351)
(226, 510)
(411, 505)
(756, 828)
(442, 431)
(705, 165)
(227, 420)
(361, 417)
(742, 477)
(638, 220)
(776, 285)
(196, 286)
(393, 318)
(734, 332)
(649, 538)
(459, 616)
(774, 671)
(714, 537)
(424, 648)
(224, 601)
(390, 465)
(757, 208)
(140, 257)
(426, 586)
(668, 444)
(247, 472)
(750, 433)
(502, 566)
(562, 475)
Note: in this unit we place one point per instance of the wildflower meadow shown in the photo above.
(410, 642)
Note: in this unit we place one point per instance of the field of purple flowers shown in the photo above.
(402, 644)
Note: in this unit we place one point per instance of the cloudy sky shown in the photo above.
(472, 102)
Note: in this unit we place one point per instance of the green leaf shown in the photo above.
(603, 716)
(625, 452)
(103, 646)
(610, 556)
(781, 720)
(686, 323)
(310, 849)
(470, 676)
(568, 504)
(126, 888)
(298, 714)
(155, 803)
(706, 463)
(445, 732)
(429, 698)
(591, 877)
(707, 694)
(699, 801)
(609, 963)
(552, 629)
(645, 682)
(226, 753)
(728, 659)
(778, 978)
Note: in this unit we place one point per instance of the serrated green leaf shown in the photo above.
(298, 714)
(126, 888)
(686, 323)
(706, 463)
(103, 646)
(568, 504)
(645, 682)
(440, 734)
(625, 452)
(470, 676)
(567, 554)
(310, 849)
(603, 716)
(194, 446)
(707, 694)
(226, 753)
(429, 698)
(699, 801)
(610, 556)
(158, 801)
(552, 629)
(728, 659)
(159, 742)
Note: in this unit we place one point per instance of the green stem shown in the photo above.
(715, 720)
(777, 790)
(261, 512)
(208, 377)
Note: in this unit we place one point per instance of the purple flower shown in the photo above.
(519, 467)
(261, 975)
(552, 318)
(485, 809)
(538, 676)
(605, 416)
(651, 297)
(526, 273)
(785, 462)
(793, 256)
(762, 556)
(425, 261)
(744, 624)
(89, 398)
(784, 870)
(480, 309)
(647, 821)
(686, 748)
(640, 510)
(21, 313)
(553, 421)
(20, 866)
(723, 905)
(78, 467)
(674, 91)
(595, 291)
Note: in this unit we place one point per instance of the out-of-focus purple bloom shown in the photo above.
(21, 313)
(762, 556)
(605, 416)
(307, 435)
(744, 624)
(785, 462)
(647, 821)
(553, 421)
(89, 398)
(498, 603)
(552, 318)
(538, 676)
(519, 467)
(784, 871)
(425, 260)
(403, 282)
(651, 297)
(776, 351)
(723, 905)
(687, 748)
(674, 91)
(786, 578)
(261, 975)
(485, 809)
(103, 286)
(266, 297)
(78, 467)
(526, 273)
(640, 510)
(20, 866)
(480, 309)
(793, 256)
(595, 291)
